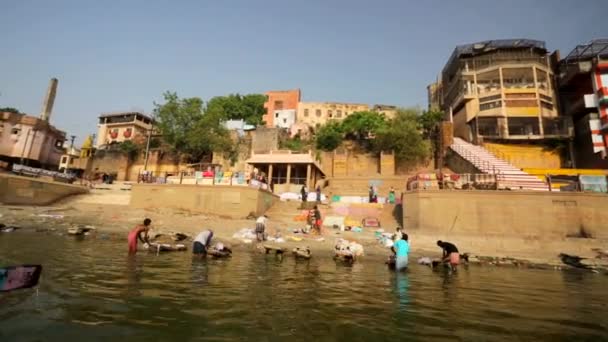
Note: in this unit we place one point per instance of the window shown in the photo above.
(284, 120)
(306, 112)
(276, 115)
(490, 105)
(330, 113)
(338, 113)
(64, 159)
(318, 113)
(59, 143)
(546, 105)
(278, 105)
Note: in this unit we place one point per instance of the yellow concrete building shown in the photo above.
(500, 90)
(319, 113)
(119, 127)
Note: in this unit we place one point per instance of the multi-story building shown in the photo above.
(582, 79)
(30, 140)
(119, 127)
(281, 107)
(500, 90)
(435, 95)
(315, 114)
(386, 110)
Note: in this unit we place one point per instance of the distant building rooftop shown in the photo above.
(115, 114)
(595, 48)
(470, 50)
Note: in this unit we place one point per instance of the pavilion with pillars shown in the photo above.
(286, 167)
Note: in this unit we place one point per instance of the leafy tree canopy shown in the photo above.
(248, 107)
(360, 125)
(428, 120)
(188, 129)
(10, 110)
(403, 137)
(329, 136)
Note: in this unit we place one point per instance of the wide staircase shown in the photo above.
(507, 175)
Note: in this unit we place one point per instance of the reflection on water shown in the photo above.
(91, 290)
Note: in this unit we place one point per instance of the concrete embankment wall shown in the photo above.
(32, 191)
(232, 201)
(510, 214)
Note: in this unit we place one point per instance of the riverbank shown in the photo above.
(113, 221)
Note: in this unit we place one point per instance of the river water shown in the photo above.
(91, 290)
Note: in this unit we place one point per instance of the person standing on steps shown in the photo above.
(391, 195)
(304, 194)
(317, 219)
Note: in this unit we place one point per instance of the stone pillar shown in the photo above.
(308, 179)
(269, 174)
(49, 100)
(288, 181)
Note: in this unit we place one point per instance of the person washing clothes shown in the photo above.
(202, 242)
(140, 232)
(260, 228)
(402, 251)
(450, 255)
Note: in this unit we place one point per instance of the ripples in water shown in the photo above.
(91, 290)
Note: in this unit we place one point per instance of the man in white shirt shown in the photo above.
(202, 242)
(260, 227)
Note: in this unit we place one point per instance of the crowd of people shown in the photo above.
(202, 242)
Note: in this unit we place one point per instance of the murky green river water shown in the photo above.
(91, 291)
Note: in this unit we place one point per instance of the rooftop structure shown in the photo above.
(500, 90)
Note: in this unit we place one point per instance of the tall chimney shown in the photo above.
(47, 105)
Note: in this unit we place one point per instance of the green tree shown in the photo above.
(10, 110)
(402, 136)
(428, 120)
(130, 149)
(361, 125)
(329, 136)
(188, 129)
(248, 107)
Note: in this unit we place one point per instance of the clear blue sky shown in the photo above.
(111, 55)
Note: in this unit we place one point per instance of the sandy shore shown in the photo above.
(112, 216)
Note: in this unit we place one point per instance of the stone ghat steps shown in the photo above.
(507, 174)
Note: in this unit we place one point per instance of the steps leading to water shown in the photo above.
(508, 176)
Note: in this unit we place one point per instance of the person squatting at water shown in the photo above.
(260, 228)
(401, 249)
(450, 255)
(202, 242)
(140, 232)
